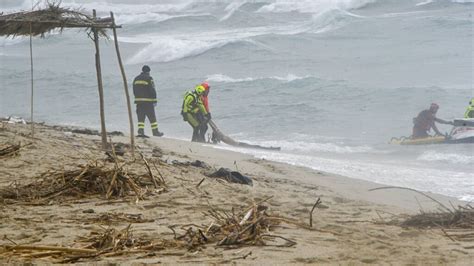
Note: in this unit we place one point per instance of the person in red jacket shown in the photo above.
(205, 101)
(425, 121)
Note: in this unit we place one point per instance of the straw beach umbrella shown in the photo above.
(53, 17)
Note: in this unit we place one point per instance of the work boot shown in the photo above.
(157, 133)
(141, 133)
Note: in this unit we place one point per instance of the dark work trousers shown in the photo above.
(146, 109)
(202, 128)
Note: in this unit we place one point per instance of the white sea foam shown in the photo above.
(166, 49)
(232, 8)
(450, 183)
(424, 3)
(310, 6)
(315, 147)
(446, 157)
(226, 79)
(8, 41)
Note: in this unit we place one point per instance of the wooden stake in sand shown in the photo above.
(125, 85)
(311, 212)
(99, 84)
(32, 91)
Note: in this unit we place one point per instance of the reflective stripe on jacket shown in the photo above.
(144, 88)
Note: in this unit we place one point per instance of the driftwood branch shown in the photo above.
(311, 212)
(431, 198)
(48, 248)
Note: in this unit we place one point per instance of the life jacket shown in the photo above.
(469, 112)
(192, 103)
(144, 88)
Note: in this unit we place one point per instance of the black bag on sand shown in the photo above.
(232, 176)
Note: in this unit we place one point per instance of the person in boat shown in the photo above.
(425, 121)
(194, 112)
(470, 110)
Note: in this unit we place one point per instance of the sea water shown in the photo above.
(329, 81)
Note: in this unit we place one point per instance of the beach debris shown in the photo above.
(87, 131)
(250, 226)
(232, 176)
(318, 201)
(94, 178)
(196, 163)
(457, 223)
(462, 217)
(218, 136)
(157, 152)
(113, 218)
(9, 150)
(14, 120)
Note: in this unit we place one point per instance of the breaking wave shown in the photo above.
(170, 49)
(310, 6)
(446, 157)
(226, 79)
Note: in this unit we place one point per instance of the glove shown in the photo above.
(208, 116)
(185, 118)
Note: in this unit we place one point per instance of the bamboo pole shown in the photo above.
(32, 87)
(125, 85)
(99, 84)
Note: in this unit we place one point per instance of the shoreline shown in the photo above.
(354, 188)
(349, 224)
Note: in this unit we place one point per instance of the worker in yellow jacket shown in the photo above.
(470, 110)
(194, 112)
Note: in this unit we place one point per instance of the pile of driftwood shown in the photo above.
(249, 227)
(231, 230)
(107, 243)
(7, 150)
(97, 178)
(457, 224)
(462, 217)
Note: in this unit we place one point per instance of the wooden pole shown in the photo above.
(125, 86)
(99, 84)
(32, 91)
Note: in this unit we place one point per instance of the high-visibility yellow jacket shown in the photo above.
(192, 103)
(469, 112)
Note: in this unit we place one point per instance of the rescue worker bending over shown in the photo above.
(470, 110)
(425, 121)
(194, 112)
(145, 99)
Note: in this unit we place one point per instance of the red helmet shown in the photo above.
(206, 85)
(434, 106)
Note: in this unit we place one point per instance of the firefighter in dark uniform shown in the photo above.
(145, 99)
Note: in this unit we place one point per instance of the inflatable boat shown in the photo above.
(462, 132)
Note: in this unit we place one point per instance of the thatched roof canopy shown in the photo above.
(45, 20)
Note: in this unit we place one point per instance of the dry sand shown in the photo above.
(351, 226)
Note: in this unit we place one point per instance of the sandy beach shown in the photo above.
(351, 225)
